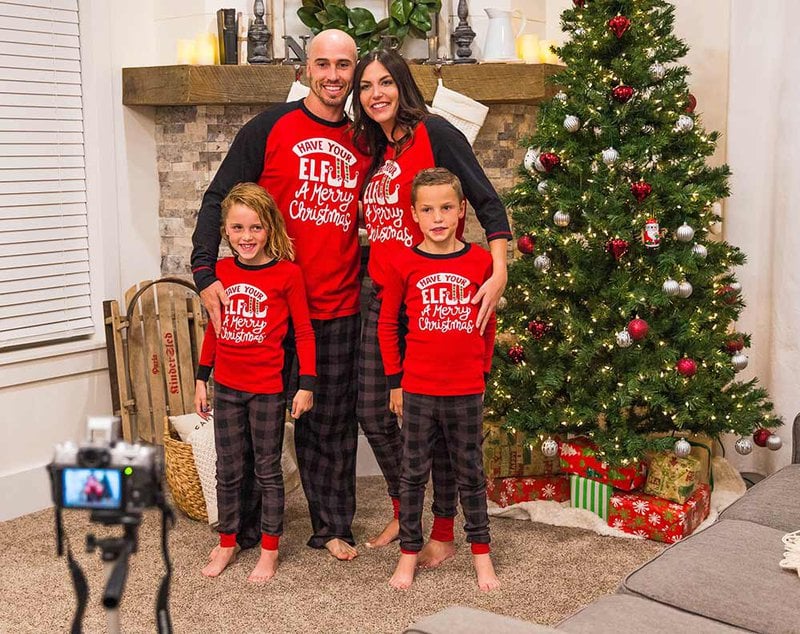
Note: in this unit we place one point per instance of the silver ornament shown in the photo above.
(502, 303)
(610, 156)
(542, 187)
(684, 123)
(550, 448)
(739, 361)
(542, 263)
(682, 448)
(700, 250)
(580, 31)
(774, 442)
(623, 129)
(560, 96)
(736, 287)
(685, 289)
(572, 123)
(657, 71)
(648, 129)
(624, 339)
(561, 218)
(684, 233)
(531, 157)
(670, 287)
(743, 446)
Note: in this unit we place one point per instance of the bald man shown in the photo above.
(302, 153)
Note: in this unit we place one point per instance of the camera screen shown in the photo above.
(91, 488)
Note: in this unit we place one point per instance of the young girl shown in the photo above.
(265, 290)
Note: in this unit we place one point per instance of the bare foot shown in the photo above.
(435, 552)
(214, 551)
(487, 579)
(341, 549)
(387, 536)
(265, 568)
(220, 559)
(403, 575)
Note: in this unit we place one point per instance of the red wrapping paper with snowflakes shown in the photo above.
(579, 456)
(508, 491)
(656, 518)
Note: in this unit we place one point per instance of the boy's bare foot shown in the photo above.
(265, 568)
(387, 536)
(435, 552)
(220, 559)
(214, 550)
(487, 579)
(403, 575)
(341, 549)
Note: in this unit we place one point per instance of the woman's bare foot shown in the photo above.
(341, 549)
(487, 579)
(403, 575)
(387, 536)
(435, 552)
(221, 558)
(265, 568)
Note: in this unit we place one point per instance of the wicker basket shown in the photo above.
(182, 475)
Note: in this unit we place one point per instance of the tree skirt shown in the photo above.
(728, 487)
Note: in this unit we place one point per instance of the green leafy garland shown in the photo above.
(406, 17)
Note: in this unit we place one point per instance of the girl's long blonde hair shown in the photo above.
(279, 244)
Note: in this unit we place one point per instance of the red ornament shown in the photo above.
(641, 190)
(526, 244)
(734, 344)
(728, 294)
(618, 247)
(618, 25)
(538, 329)
(692, 103)
(516, 353)
(637, 328)
(549, 160)
(622, 93)
(686, 367)
(760, 436)
(579, 3)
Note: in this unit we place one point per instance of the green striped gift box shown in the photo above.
(589, 494)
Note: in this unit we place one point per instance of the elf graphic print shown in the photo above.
(446, 301)
(245, 317)
(386, 218)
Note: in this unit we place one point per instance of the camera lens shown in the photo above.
(93, 457)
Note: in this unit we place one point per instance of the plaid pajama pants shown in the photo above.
(380, 425)
(246, 422)
(458, 420)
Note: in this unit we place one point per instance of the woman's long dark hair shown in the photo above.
(367, 134)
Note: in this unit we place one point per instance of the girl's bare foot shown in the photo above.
(221, 558)
(435, 552)
(487, 579)
(403, 575)
(265, 568)
(387, 536)
(341, 549)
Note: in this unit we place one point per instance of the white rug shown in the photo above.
(728, 487)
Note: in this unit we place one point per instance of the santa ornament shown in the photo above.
(651, 235)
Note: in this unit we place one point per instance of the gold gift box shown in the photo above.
(510, 454)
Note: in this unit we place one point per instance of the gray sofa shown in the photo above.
(723, 579)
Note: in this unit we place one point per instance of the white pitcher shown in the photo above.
(500, 36)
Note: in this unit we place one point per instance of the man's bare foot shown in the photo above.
(341, 549)
(214, 551)
(403, 575)
(487, 579)
(265, 568)
(220, 559)
(435, 552)
(387, 536)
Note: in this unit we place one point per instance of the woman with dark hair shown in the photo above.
(392, 124)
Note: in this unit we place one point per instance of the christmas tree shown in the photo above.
(619, 309)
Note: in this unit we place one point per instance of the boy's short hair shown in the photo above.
(436, 176)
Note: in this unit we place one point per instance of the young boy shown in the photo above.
(443, 373)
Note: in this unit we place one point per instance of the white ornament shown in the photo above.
(502, 303)
(572, 123)
(684, 233)
(657, 71)
(736, 286)
(542, 263)
(739, 361)
(648, 129)
(623, 129)
(685, 289)
(743, 446)
(561, 218)
(682, 448)
(550, 448)
(700, 250)
(684, 124)
(624, 339)
(580, 31)
(610, 156)
(561, 96)
(670, 287)
(542, 187)
(531, 157)
(774, 442)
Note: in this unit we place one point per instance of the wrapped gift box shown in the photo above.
(589, 494)
(510, 454)
(579, 457)
(656, 518)
(507, 491)
(702, 448)
(672, 478)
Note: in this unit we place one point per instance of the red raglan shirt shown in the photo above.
(445, 353)
(248, 353)
(315, 174)
(387, 196)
